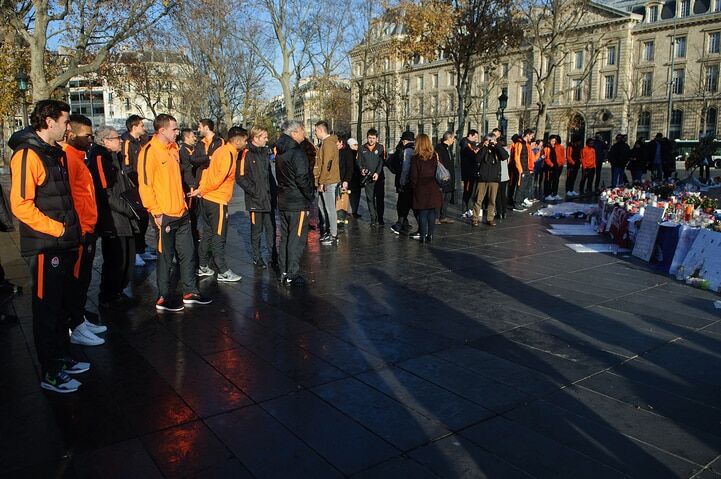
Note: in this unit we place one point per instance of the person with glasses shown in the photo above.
(78, 141)
(117, 218)
(132, 141)
(161, 191)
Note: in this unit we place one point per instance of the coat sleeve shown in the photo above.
(147, 169)
(245, 174)
(302, 175)
(81, 186)
(28, 172)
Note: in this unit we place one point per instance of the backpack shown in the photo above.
(394, 163)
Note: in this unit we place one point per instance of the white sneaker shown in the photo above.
(527, 203)
(549, 198)
(228, 277)
(95, 328)
(139, 261)
(557, 198)
(205, 271)
(149, 256)
(84, 337)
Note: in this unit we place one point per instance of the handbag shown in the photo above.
(443, 176)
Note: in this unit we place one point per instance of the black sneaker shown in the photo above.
(297, 281)
(60, 382)
(396, 229)
(194, 298)
(329, 240)
(163, 304)
(260, 264)
(324, 236)
(415, 236)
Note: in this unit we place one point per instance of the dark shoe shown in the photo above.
(60, 382)
(415, 236)
(438, 222)
(447, 221)
(329, 240)
(475, 222)
(429, 238)
(324, 236)
(195, 298)
(356, 215)
(297, 281)
(163, 304)
(260, 264)
(395, 228)
(491, 223)
(71, 366)
(373, 224)
(381, 223)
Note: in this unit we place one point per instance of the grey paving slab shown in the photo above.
(401, 426)
(266, 448)
(683, 441)
(539, 455)
(455, 456)
(121, 460)
(397, 468)
(601, 442)
(429, 399)
(340, 440)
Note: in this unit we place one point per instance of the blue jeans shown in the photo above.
(426, 222)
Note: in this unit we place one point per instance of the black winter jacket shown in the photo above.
(295, 181)
(445, 155)
(191, 174)
(115, 216)
(469, 165)
(52, 198)
(618, 154)
(254, 175)
(489, 164)
(372, 160)
(347, 163)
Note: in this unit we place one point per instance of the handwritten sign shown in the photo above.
(646, 237)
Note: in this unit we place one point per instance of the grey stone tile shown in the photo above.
(121, 460)
(397, 468)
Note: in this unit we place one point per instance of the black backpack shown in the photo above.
(394, 162)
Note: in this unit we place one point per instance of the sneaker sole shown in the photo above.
(55, 389)
(195, 301)
(222, 280)
(167, 308)
(204, 274)
(76, 371)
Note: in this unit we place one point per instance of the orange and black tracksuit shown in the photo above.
(588, 169)
(161, 191)
(554, 158)
(191, 180)
(129, 159)
(254, 175)
(524, 159)
(573, 160)
(41, 200)
(83, 193)
(200, 158)
(216, 190)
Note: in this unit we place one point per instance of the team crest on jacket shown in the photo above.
(167, 229)
(55, 261)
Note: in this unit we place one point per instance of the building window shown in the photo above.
(434, 105)
(419, 83)
(577, 86)
(643, 131)
(526, 69)
(504, 68)
(609, 87)
(578, 60)
(711, 120)
(674, 130)
(714, 41)
(680, 47)
(717, 7)
(653, 14)
(677, 81)
(434, 80)
(420, 128)
(525, 95)
(170, 103)
(451, 78)
(647, 84)
(712, 76)
(684, 9)
(648, 50)
(611, 56)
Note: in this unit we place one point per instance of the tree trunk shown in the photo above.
(287, 95)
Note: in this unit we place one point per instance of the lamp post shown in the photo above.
(502, 104)
(22, 84)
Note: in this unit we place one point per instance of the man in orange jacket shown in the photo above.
(524, 159)
(77, 143)
(588, 167)
(216, 190)
(161, 190)
(49, 236)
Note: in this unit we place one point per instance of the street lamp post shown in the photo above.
(22, 84)
(502, 104)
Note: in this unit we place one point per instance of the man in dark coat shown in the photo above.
(489, 176)
(117, 219)
(403, 155)
(618, 157)
(445, 155)
(295, 193)
(371, 159)
(469, 173)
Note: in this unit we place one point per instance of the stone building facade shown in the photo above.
(633, 64)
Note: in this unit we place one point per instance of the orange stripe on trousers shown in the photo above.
(41, 270)
(300, 223)
(76, 269)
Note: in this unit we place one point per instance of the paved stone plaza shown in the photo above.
(492, 352)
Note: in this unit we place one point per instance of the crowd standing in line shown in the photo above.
(71, 187)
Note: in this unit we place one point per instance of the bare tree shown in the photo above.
(85, 30)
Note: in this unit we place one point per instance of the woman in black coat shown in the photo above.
(445, 154)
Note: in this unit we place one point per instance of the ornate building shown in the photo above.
(636, 68)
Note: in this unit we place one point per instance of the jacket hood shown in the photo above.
(258, 149)
(28, 137)
(285, 143)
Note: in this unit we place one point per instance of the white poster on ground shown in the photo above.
(646, 237)
(703, 259)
